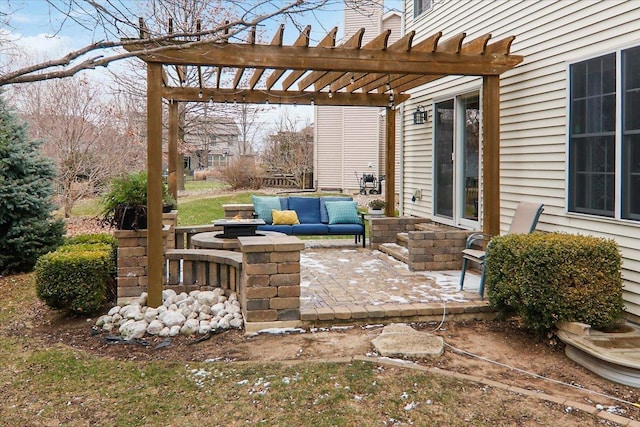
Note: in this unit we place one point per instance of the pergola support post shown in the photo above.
(491, 154)
(155, 255)
(390, 163)
(172, 177)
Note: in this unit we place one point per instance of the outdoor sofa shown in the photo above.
(310, 216)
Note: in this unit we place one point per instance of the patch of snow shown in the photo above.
(280, 331)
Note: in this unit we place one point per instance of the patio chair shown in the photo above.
(524, 221)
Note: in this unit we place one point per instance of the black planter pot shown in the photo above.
(131, 217)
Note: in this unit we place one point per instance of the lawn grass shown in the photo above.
(192, 185)
(87, 207)
(62, 386)
(49, 384)
(203, 210)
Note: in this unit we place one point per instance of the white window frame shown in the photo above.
(458, 220)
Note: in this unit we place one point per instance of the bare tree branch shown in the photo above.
(110, 50)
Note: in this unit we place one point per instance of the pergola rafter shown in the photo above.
(349, 74)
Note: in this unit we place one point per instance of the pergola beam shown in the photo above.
(280, 97)
(343, 60)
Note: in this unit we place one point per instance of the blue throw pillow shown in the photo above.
(324, 216)
(342, 213)
(264, 205)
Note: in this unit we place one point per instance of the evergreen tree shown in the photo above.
(27, 227)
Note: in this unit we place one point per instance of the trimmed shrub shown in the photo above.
(92, 238)
(75, 277)
(98, 240)
(547, 278)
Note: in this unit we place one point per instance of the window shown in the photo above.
(596, 166)
(420, 6)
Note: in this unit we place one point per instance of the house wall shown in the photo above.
(393, 22)
(534, 98)
(349, 139)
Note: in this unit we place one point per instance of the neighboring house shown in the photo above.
(570, 122)
(352, 139)
(210, 143)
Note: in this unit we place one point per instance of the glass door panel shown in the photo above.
(470, 109)
(443, 155)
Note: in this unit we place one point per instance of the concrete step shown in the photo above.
(426, 226)
(402, 239)
(396, 251)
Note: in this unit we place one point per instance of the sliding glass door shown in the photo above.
(456, 160)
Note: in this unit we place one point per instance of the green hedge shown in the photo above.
(79, 276)
(95, 242)
(546, 278)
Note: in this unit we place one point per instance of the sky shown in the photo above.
(47, 33)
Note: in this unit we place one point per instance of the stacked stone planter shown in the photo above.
(132, 275)
(270, 285)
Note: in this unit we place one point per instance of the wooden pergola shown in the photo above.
(351, 74)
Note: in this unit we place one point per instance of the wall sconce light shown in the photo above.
(420, 116)
(225, 152)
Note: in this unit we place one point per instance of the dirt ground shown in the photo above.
(501, 341)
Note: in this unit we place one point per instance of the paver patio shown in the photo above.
(344, 282)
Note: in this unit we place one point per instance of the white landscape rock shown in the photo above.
(195, 313)
(190, 327)
(155, 327)
(223, 324)
(172, 318)
(236, 323)
(134, 329)
(207, 298)
(150, 314)
(104, 319)
(130, 311)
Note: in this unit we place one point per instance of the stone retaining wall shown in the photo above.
(266, 276)
(436, 247)
(238, 210)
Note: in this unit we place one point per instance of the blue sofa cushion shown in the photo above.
(279, 228)
(307, 208)
(324, 216)
(264, 205)
(345, 229)
(343, 213)
(309, 229)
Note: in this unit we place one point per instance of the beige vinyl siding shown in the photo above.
(348, 139)
(362, 15)
(328, 148)
(534, 97)
(361, 143)
(391, 21)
